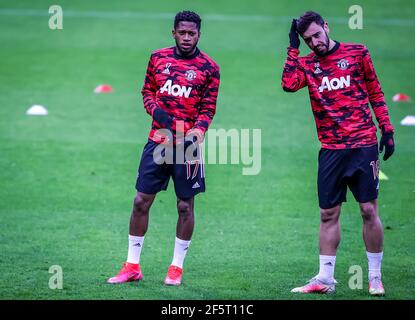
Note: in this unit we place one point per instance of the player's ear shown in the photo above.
(173, 33)
(326, 27)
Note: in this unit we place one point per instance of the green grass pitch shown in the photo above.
(67, 179)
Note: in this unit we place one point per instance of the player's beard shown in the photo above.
(186, 51)
(326, 46)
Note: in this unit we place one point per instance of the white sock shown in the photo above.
(180, 250)
(375, 263)
(135, 244)
(327, 264)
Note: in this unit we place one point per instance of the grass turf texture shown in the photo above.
(67, 180)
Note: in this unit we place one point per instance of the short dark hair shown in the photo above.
(308, 18)
(188, 16)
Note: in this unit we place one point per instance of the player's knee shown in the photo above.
(368, 211)
(329, 215)
(184, 209)
(141, 205)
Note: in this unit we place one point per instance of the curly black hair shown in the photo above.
(308, 18)
(188, 16)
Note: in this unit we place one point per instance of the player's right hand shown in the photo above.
(294, 38)
(387, 142)
(163, 118)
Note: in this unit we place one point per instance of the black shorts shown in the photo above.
(188, 176)
(356, 168)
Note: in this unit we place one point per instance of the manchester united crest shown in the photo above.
(190, 75)
(343, 64)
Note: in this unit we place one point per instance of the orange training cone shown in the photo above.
(400, 97)
(103, 88)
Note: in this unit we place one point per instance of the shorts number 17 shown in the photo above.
(375, 168)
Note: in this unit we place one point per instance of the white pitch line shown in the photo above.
(209, 17)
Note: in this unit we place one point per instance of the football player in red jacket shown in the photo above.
(341, 82)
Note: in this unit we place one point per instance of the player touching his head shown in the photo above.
(179, 93)
(341, 81)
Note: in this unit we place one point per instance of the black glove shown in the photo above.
(387, 142)
(188, 143)
(163, 118)
(191, 140)
(294, 38)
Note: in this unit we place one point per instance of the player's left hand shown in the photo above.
(387, 142)
(195, 135)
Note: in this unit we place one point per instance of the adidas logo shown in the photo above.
(167, 70)
(196, 185)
